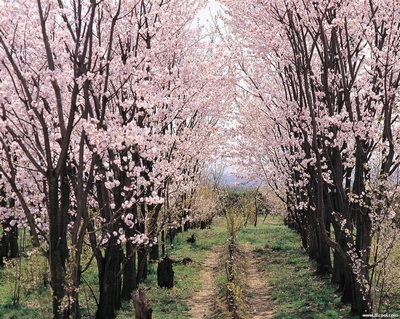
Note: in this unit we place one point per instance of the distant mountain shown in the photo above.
(230, 180)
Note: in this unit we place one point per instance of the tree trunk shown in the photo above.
(58, 247)
(163, 243)
(110, 265)
(363, 303)
(153, 213)
(339, 265)
(110, 281)
(9, 240)
(318, 249)
(4, 244)
(14, 249)
(142, 251)
(129, 278)
(129, 271)
(154, 252)
(165, 273)
(142, 264)
(141, 304)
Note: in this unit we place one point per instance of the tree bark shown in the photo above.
(129, 270)
(141, 304)
(58, 247)
(142, 264)
(14, 248)
(110, 265)
(4, 244)
(110, 281)
(9, 242)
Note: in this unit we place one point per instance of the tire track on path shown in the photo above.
(203, 303)
(259, 303)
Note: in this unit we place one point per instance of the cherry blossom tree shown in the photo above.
(318, 102)
(39, 83)
(9, 239)
(103, 105)
(153, 132)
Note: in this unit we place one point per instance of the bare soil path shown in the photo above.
(259, 301)
(203, 304)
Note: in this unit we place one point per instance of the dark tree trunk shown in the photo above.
(312, 244)
(14, 248)
(163, 243)
(110, 281)
(165, 273)
(340, 267)
(347, 285)
(297, 220)
(363, 303)
(4, 244)
(9, 240)
(186, 226)
(130, 268)
(301, 227)
(58, 244)
(324, 258)
(129, 271)
(153, 213)
(172, 234)
(142, 264)
(154, 252)
(318, 249)
(110, 265)
(142, 251)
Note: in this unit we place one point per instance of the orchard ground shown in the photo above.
(279, 280)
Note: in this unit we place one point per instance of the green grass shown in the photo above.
(298, 293)
(170, 303)
(34, 301)
(23, 293)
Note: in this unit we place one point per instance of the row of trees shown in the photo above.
(108, 114)
(317, 110)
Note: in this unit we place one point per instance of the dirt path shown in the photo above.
(203, 305)
(260, 303)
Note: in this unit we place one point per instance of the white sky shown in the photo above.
(205, 15)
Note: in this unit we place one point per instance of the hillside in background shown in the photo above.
(231, 179)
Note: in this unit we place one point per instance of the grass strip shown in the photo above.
(297, 291)
(170, 303)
